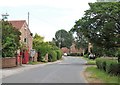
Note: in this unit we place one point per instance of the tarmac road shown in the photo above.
(67, 71)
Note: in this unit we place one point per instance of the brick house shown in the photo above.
(25, 38)
(73, 49)
(64, 50)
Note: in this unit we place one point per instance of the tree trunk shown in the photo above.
(119, 59)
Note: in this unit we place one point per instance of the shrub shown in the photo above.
(10, 40)
(49, 57)
(52, 56)
(78, 54)
(74, 54)
(110, 66)
(103, 65)
(86, 56)
(59, 54)
(98, 63)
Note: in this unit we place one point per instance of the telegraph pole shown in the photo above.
(28, 19)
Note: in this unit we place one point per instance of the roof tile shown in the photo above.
(17, 23)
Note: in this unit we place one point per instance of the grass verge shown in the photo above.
(101, 75)
(90, 61)
(34, 63)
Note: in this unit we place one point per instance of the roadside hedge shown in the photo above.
(113, 67)
(74, 54)
(86, 55)
(52, 56)
(109, 66)
(59, 54)
(101, 63)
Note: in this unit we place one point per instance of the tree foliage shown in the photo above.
(10, 40)
(63, 38)
(80, 40)
(43, 47)
(37, 40)
(101, 25)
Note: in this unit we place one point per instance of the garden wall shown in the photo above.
(8, 62)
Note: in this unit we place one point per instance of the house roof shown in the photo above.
(17, 23)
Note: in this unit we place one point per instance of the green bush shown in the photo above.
(113, 67)
(101, 63)
(74, 54)
(110, 66)
(10, 39)
(52, 56)
(59, 54)
(86, 56)
(49, 57)
(98, 63)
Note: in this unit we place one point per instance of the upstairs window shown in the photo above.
(25, 40)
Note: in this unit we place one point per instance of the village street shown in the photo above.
(69, 70)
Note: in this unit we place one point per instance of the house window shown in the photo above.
(25, 40)
(25, 28)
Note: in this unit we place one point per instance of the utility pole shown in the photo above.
(28, 19)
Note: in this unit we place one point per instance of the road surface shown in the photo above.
(68, 71)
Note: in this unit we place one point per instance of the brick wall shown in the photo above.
(8, 62)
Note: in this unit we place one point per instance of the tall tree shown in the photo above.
(63, 38)
(80, 40)
(101, 25)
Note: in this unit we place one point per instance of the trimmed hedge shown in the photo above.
(113, 67)
(74, 54)
(101, 63)
(109, 66)
(52, 56)
(59, 54)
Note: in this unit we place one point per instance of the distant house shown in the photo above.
(73, 49)
(64, 50)
(25, 38)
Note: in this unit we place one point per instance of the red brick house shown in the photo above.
(25, 38)
(73, 49)
(64, 50)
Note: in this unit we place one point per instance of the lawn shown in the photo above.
(103, 76)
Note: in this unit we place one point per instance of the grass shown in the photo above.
(33, 63)
(90, 61)
(106, 78)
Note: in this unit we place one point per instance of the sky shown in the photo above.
(46, 16)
